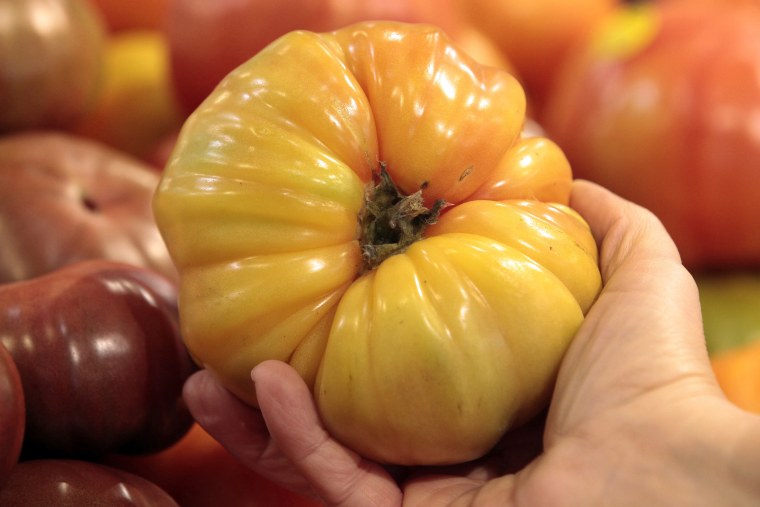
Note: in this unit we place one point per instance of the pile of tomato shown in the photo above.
(182, 178)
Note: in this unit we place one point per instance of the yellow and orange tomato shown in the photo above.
(295, 207)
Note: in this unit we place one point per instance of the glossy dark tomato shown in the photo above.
(11, 414)
(99, 352)
(71, 483)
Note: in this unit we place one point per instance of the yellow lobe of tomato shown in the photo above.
(433, 354)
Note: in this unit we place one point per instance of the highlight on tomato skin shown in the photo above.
(300, 207)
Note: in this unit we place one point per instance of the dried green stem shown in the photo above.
(391, 221)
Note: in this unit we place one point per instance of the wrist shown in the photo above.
(722, 457)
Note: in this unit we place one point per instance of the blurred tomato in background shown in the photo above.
(50, 62)
(209, 39)
(136, 105)
(662, 106)
(198, 472)
(132, 14)
(536, 35)
(12, 414)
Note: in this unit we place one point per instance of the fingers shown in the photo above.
(338, 475)
(240, 429)
(645, 329)
(234, 424)
(646, 286)
(640, 264)
(625, 231)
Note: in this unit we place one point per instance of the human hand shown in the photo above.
(636, 417)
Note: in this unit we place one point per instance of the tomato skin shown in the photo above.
(260, 203)
(198, 471)
(99, 355)
(661, 108)
(208, 40)
(135, 107)
(72, 483)
(12, 416)
(536, 36)
(413, 296)
(738, 373)
(136, 15)
(55, 186)
(50, 58)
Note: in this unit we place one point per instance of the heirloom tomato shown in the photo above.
(12, 415)
(295, 207)
(74, 483)
(661, 106)
(65, 198)
(102, 365)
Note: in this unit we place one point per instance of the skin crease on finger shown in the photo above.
(634, 419)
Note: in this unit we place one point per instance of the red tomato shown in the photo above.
(198, 472)
(12, 414)
(134, 14)
(535, 35)
(209, 39)
(64, 199)
(662, 107)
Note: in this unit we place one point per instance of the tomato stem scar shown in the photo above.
(390, 221)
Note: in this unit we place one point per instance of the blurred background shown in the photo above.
(658, 101)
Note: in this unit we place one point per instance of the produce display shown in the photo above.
(374, 191)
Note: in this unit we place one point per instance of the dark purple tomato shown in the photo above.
(101, 360)
(11, 414)
(72, 483)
